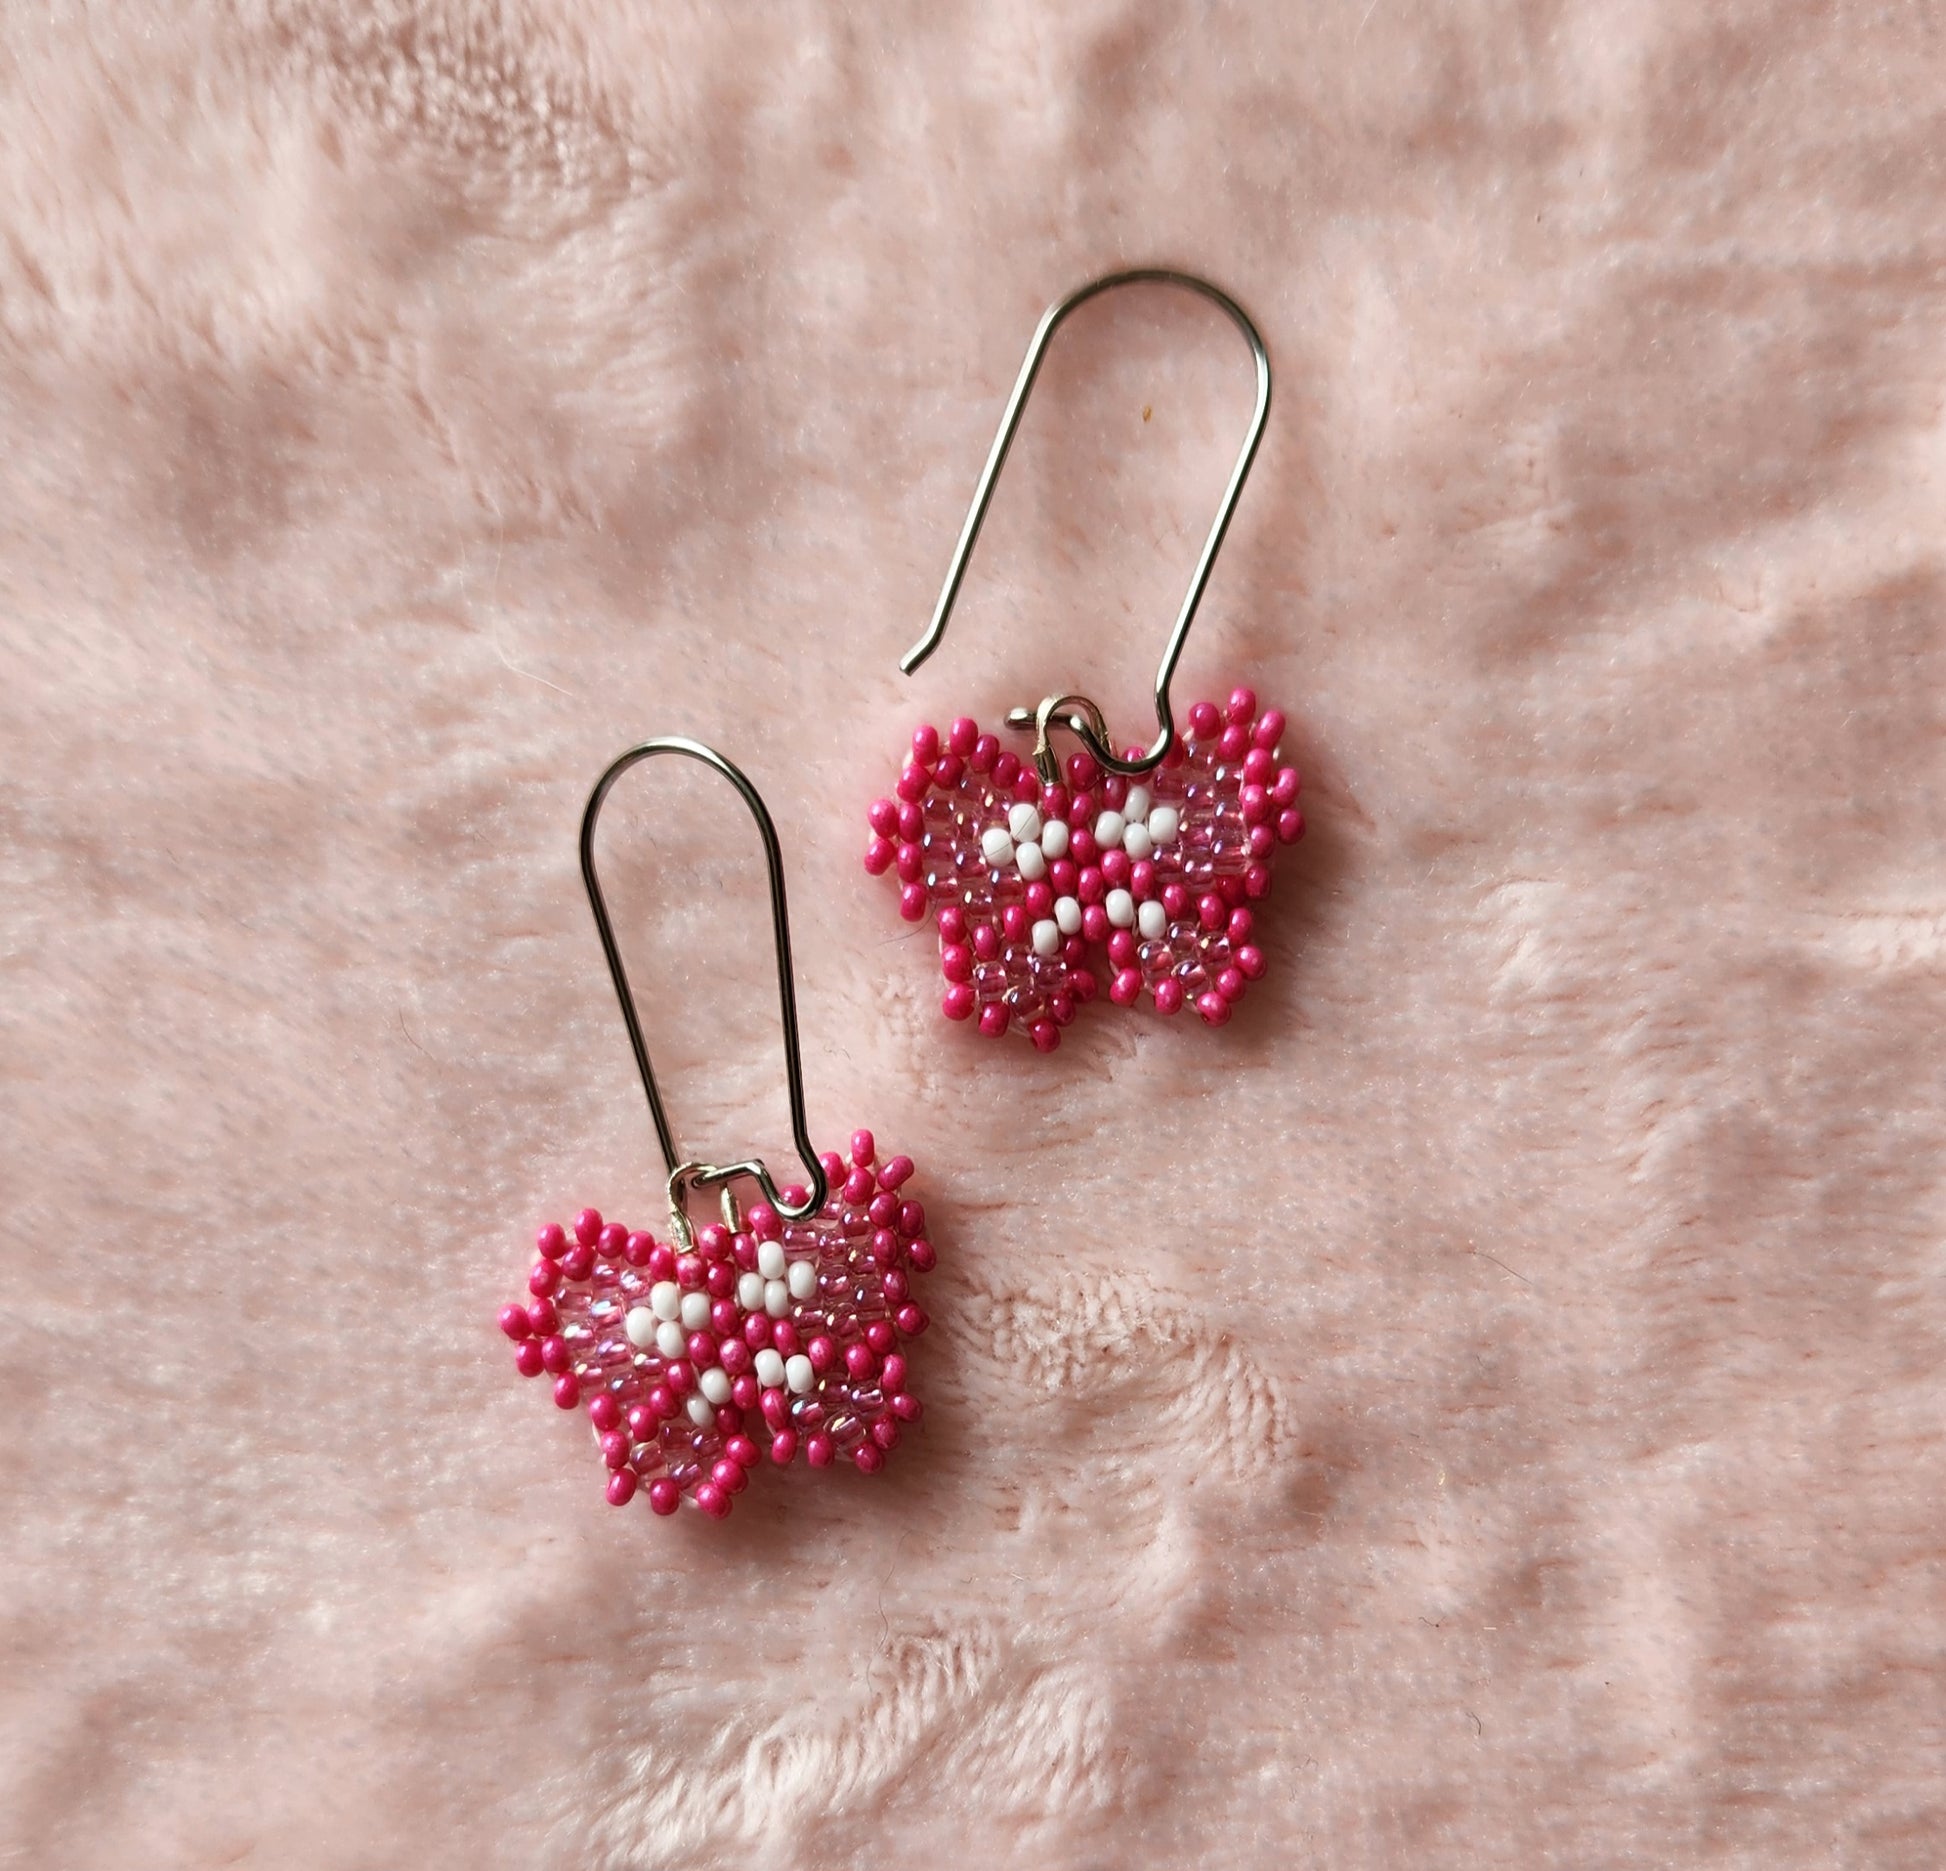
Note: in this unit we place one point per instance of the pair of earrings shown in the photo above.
(786, 1324)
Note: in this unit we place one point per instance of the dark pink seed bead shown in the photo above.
(913, 783)
(822, 1353)
(859, 1185)
(621, 1489)
(868, 1458)
(1231, 743)
(1060, 1009)
(1250, 962)
(783, 1334)
(637, 1249)
(864, 1147)
(555, 1355)
(986, 942)
(912, 1320)
(904, 1406)
(885, 1247)
(1094, 923)
(1013, 922)
(963, 736)
(713, 1500)
(1256, 882)
(743, 1392)
(742, 1451)
(527, 1358)
(819, 1450)
(952, 923)
(734, 1356)
(1114, 792)
(1285, 787)
(612, 1239)
(587, 1226)
(678, 1378)
(986, 750)
(1039, 900)
(642, 1420)
(912, 823)
(567, 1391)
(1230, 984)
(885, 1432)
(614, 1449)
(720, 1280)
(729, 1419)
(702, 1350)
(993, 1020)
(756, 1331)
(912, 902)
(922, 1256)
(763, 1223)
(911, 861)
(776, 1408)
(1212, 912)
(1242, 923)
(884, 1209)
(604, 1412)
(1121, 948)
(1083, 985)
(1126, 988)
(1091, 887)
(1006, 769)
(577, 1263)
(1116, 869)
(513, 1321)
(662, 1262)
(1204, 721)
(912, 1219)
(664, 1495)
(1290, 826)
(744, 1251)
(892, 1372)
(662, 1400)
(894, 1285)
(880, 1336)
(729, 1476)
(925, 743)
(1045, 1035)
(884, 817)
(1064, 877)
(1175, 901)
(1027, 786)
(1243, 706)
(895, 1173)
(1263, 840)
(713, 1242)
(1231, 890)
(832, 1163)
(545, 1277)
(783, 1445)
(1269, 729)
(1081, 769)
(1258, 768)
(724, 1313)
(689, 1270)
(958, 1002)
(552, 1241)
(879, 853)
(1213, 1007)
(542, 1317)
(1141, 879)
(1256, 805)
(1168, 996)
(859, 1361)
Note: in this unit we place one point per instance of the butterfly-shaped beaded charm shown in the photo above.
(695, 1363)
(1043, 890)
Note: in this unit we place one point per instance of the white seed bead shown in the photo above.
(1032, 861)
(695, 1311)
(715, 1384)
(1137, 806)
(1137, 842)
(777, 1299)
(802, 1279)
(750, 1291)
(770, 1259)
(1047, 936)
(640, 1327)
(1067, 915)
(665, 1299)
(1163, 822)
(700, 1412)
(1024, 822)
(1153, 921)
(1121, 909)
(996, 847)
(798, 1373)
(1054, 839)
(669, 1339)
(1108, 830)
(770, 1368)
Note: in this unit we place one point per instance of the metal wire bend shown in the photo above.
(686, 1173)
(1078, 723)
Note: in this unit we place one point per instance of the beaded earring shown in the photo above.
(782, 1326)
(1036, 871)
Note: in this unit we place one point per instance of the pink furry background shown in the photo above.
(1483, 1407)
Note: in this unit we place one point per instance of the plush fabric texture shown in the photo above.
(1481, 1407)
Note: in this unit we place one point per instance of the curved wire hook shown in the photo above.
(685, 1172)
(1051, 320)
